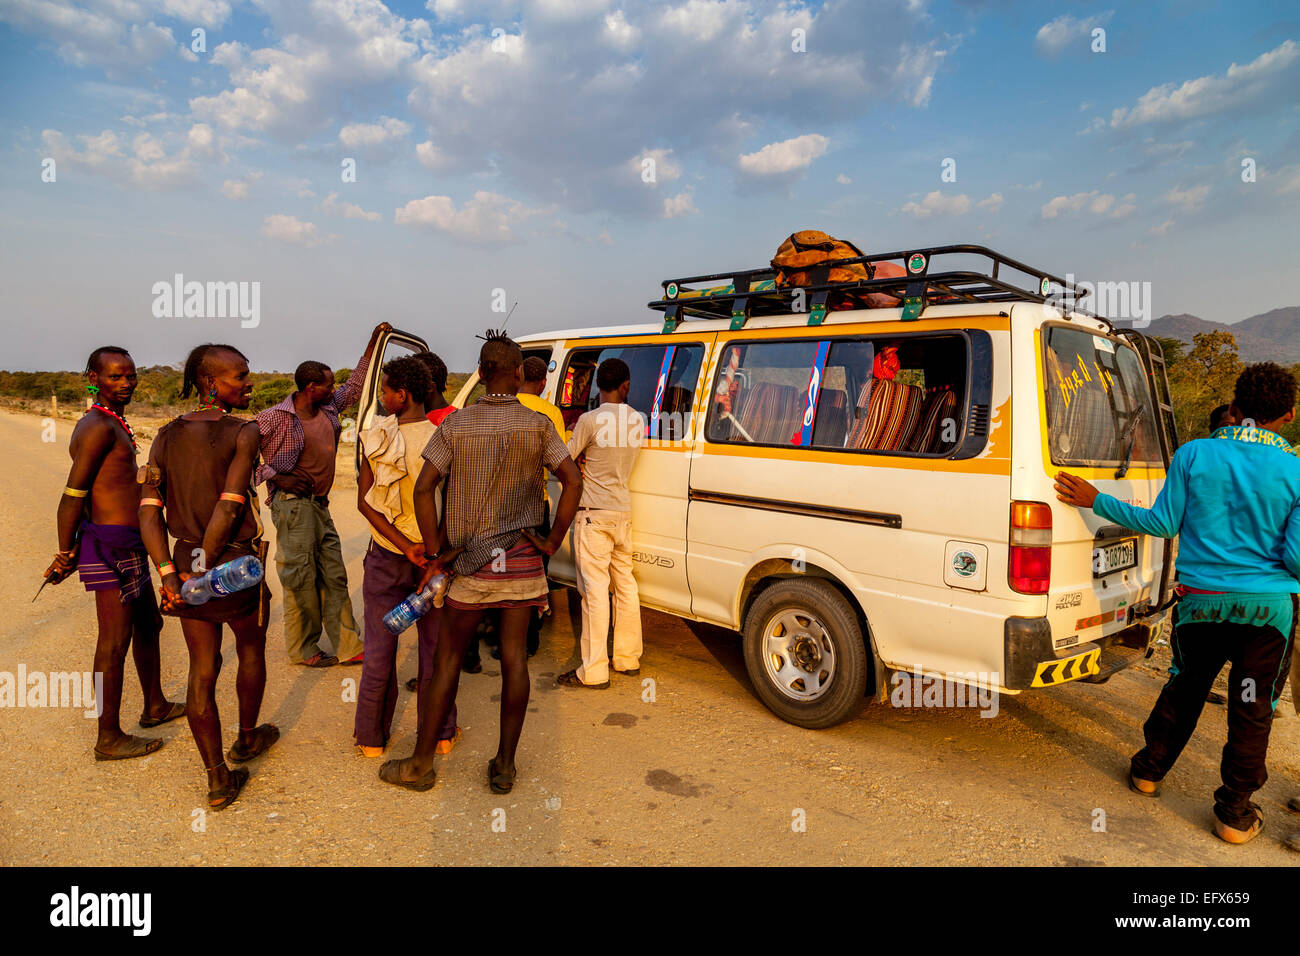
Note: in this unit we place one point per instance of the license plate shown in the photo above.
(1114, 557)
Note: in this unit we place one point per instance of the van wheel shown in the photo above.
(805, 654)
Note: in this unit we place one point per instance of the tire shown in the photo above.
(825, 646)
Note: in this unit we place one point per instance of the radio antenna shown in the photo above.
(501, 332)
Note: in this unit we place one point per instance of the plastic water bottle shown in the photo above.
(225, 579)
(417, 605)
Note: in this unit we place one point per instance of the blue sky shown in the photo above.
(514, 159)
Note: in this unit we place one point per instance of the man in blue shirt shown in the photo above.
(1234, 501)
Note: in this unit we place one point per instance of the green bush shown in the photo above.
(268, 393)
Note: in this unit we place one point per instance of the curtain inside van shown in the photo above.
(1095, 386)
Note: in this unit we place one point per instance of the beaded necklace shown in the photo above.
(121, 421)
(209, 406)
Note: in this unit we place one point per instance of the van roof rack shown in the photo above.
(753, 292)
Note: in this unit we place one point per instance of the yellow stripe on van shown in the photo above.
(1135, 473)
(1051, 673)
(968, 466)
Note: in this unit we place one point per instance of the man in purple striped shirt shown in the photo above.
(299, 443)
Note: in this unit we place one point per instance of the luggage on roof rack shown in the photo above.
(756, 291)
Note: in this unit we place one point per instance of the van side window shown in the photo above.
(904, 395)
(677, 365)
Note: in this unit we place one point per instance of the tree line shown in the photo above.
(159, 388)
(1202, 378)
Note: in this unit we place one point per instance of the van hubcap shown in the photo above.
(798, 655)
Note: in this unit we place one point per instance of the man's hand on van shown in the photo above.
(1074, 491)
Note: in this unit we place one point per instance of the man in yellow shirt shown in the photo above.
(530, 396)
(530, 393)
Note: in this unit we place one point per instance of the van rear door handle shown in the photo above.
(1116, 531)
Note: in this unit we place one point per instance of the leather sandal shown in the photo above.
(262, 736)
(225, 796)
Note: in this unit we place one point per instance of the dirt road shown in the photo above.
(702, 773)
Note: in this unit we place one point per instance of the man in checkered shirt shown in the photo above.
(300, 438)
(492, 453)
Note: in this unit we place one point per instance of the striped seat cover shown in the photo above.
(893, 411)
(770, 412)
(926, 437)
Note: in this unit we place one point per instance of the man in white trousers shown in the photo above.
(609, 438)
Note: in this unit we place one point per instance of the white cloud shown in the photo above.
(328, 52)
(843, 180)
(618, 32)
(993, 203)
(790, 155)
(699, 21)
(1287, 179)
(1163, 228)
(292, 229)
(432, 158)
(239, 188)
(937, 204)
(683, 204)
(348, 210)
(1190, 199)
(204, 13)
(486, 218)
(118, 36)
(372, 136)
(1095, 202)
(1067, 33)
(147, 165)
(1266, 75)
(914, 74)
(710, 75)
(666, 169)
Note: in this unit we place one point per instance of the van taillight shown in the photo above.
(1029, 562)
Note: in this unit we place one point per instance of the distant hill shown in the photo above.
(1270, 336)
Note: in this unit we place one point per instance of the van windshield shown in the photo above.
(1095, 387)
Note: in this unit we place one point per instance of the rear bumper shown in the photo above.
(1030, 662)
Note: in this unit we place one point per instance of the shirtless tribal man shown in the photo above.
(199, 490)
(99, 534)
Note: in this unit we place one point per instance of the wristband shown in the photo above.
(151, 503)
(166, 568)
(76, 492)
(231, 496)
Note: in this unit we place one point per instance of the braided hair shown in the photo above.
(196, 364)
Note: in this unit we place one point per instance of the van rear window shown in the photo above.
(1096, 388)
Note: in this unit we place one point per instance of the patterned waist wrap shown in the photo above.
(113, 556)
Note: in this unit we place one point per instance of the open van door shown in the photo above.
(392, 344)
